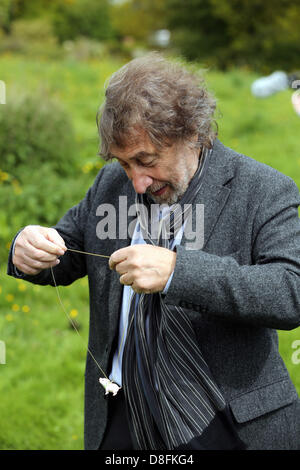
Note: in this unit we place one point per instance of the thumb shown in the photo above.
(53, 236)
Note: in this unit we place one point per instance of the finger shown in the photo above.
(35, 264)
(117, 257)
(40, 261)
(55, 238)
(27, 269)
(126, 279)
(40, 241)
(30, 255)
(33, 253)
(31, 270)
(140, 290)
(122, 267)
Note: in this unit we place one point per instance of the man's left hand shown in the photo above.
(145, 268)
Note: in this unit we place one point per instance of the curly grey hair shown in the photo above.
(160, 97)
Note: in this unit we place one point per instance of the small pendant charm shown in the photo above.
(109, 386)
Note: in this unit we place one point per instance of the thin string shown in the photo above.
(87, 253)
(70, 319)
(73, 324)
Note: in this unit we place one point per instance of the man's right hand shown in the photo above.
(37, 248)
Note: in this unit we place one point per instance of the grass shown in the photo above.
(42, 380)
(265, 129)
(41, 385)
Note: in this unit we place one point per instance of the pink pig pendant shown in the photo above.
(109, 386)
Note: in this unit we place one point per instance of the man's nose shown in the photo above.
(140, 181)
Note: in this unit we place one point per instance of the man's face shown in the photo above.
(164, 174)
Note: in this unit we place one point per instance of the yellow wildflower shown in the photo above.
(4, 176)
(73, 313)
(16, 186)
(9, 297)
(9, 317)
(26, 309)
(15, 307)
(87, 167)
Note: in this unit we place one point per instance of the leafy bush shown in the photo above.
(84, 48)
(33, 37)
(260, 35)
(35, 129)
(4, 14)
(40, 197)
(88, 18)
(37, 164)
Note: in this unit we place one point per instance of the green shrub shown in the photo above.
(35, 129)
(33, 37)
(89, 18)
(38, 170)
(40, 197)
(84, 48)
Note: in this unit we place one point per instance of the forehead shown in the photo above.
(140, 145)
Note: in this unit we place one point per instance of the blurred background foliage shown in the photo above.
(251, 33)
(55, 58)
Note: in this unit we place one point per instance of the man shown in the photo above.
(186, 326)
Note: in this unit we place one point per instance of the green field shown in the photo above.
(41, 384)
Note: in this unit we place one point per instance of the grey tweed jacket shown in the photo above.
(238, 289)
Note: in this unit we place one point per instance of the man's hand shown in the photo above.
(145, 268)
(37, 248)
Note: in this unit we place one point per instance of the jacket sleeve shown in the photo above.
(72, 229)
(263, 293)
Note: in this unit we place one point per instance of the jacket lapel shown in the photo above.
(213, 196)
(115, 287)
